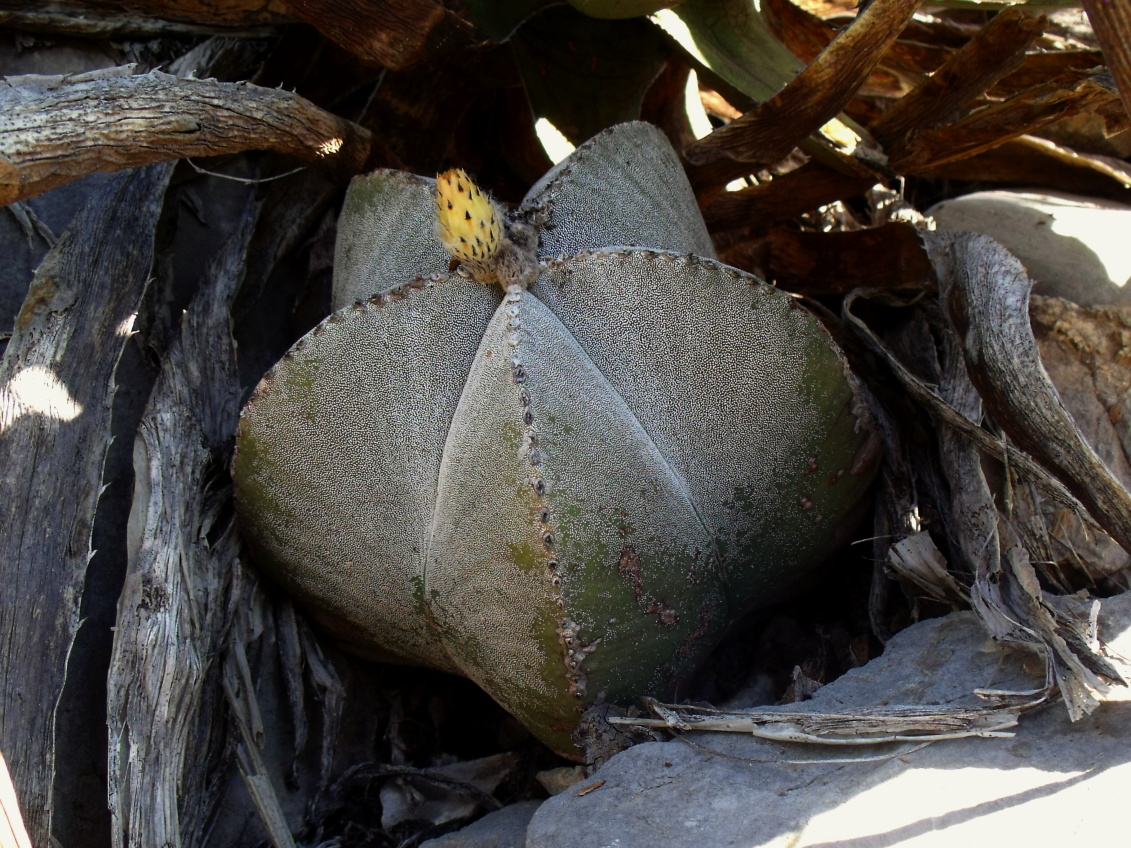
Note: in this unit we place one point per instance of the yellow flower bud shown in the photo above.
(469, 223)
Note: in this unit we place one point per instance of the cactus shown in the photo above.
(565, 486)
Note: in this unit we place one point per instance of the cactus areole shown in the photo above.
(563, 468)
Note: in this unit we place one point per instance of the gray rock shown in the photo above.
(505, 828)
(1055, 782)
(1073, 247)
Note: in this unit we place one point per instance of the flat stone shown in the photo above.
(1072, 246)
(505, 828)
(1054, 782)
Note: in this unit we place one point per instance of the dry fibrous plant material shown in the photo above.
(865, 726)
(1084, 350)
(1033, 161)
(770, 131)
(944, 122)
(886, 257)
(980, 359)
(55, 407)
(989, 55)
(992, 125)
(754, 208)
(158, 799)
(54, 128)
(93, 18)
(1112, 24)
(986, 293)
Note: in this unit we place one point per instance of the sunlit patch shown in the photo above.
(693, 105)
(125, 329)
(842, 135)
(556, 145)
(469, 225)
(329, 147)
(36, 390)
(1101, 231)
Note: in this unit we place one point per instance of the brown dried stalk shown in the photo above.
(769, 132)
(56, 128)
(996, 124)
(886, 257)
(58, 390)
(812, 185)
(391, 34)
(998, 48)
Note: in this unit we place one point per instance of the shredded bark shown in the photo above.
(56, 389)
(171, 615)
(145, 18)
(54, 128)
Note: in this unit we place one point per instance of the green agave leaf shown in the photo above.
(565, 494)
(583, 74)
(619, 8)
(731, 39)
(498, 19)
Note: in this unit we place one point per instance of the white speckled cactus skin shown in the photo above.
(566, 493)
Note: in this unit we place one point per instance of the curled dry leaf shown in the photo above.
(1085, 352)
(986, 294)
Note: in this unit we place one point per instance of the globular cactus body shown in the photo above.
(565, 492)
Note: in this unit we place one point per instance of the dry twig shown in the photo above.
(56, 128)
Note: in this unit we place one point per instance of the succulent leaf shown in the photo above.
(371, 389)
(618, 8)
(564, 544)
(733, 40)
(709, 358)
(386, 236)
(624, 187)
(565, 493)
